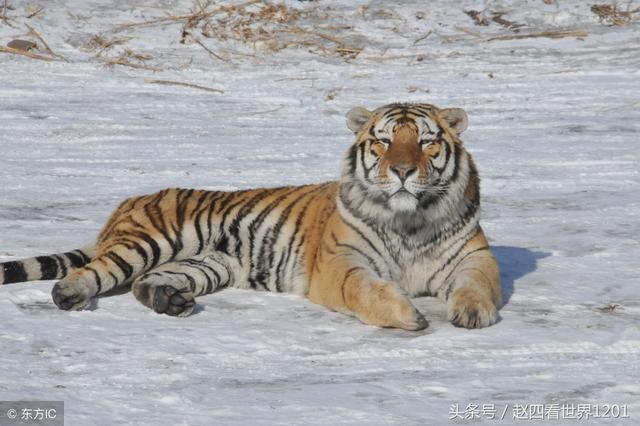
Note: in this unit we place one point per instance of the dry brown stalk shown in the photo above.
(44, 43)
(424, 37)
(545, 34)
(470, 32)
(180, 83)
(175, 18)
(211, 52)
(35, 12)
(124, 62)
(25, 53)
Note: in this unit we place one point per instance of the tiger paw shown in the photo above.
(172, 301)
(387, 306)
(469, 308)
(71, 296)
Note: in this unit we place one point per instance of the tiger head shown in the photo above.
(405, 156)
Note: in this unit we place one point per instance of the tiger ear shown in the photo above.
(357, 117)
(456, 118)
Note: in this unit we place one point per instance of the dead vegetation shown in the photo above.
(611, 308)
(254, 27)
(261, 25)
(180, 83)
(486, 17)
(29, 48)
(612, 15)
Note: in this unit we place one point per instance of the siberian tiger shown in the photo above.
(401, 222)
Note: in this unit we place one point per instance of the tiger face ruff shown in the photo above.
(402, 221)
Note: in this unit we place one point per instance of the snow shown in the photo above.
(554, 127)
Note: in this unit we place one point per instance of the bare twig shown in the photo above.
(419, 39)
(211, 52)
(44, 43)
(35, 12)
(469, 31)
(25, 53)
(180, 83)
(126, 63)
(546, 34)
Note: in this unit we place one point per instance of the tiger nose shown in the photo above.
(403, 172)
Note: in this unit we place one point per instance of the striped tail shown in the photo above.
(51, 267)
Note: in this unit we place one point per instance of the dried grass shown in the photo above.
(257, 24)
(196, 16)
(611, 308)
(131, 59)
(480, 19)
(610, 14)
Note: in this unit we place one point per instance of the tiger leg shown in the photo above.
(349, 288)
(171, 288)
(473, 293)
(110, 269)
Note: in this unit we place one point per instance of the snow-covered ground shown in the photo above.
(554, 128)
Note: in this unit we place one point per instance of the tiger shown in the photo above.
(402, 221)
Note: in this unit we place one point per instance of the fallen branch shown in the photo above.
(180, 83)
(176, 18)
(25, 53)
(545, 34)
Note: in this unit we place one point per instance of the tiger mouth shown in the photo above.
(403, 192)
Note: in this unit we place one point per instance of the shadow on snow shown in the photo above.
(515, 263)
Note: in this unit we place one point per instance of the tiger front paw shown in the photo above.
(470, 308)
(387, 306)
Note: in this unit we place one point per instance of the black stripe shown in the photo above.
(85, 259)
(153, 244)
(75, 260)
(97, 277)
(268, 240)
(222, 244)
(371, 261)
(344, 282)
(364, 237)
(48, 267)
(197, 218)
(201, 266)
(292, 239)
(124, 266)
(153, 212)
(268, 243)
(14, 272)
(61, 264)
(353, 159)
(134, 245)
(465, 237)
